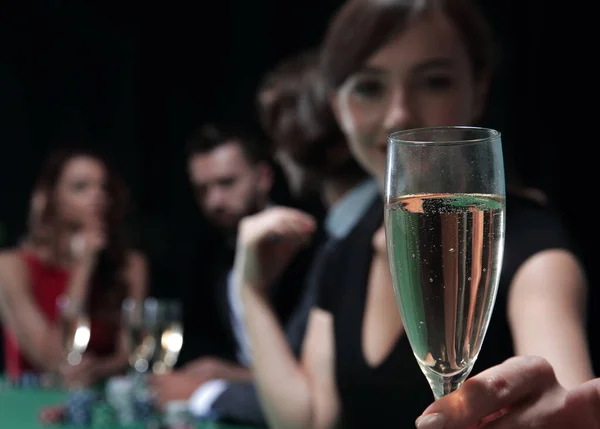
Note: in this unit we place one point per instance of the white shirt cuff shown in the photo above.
(201, 401)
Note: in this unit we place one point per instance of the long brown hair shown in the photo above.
(107, 279)
(361, 27)
(294, 112)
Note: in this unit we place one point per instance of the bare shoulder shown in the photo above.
(553, 274)
(555, 265)
(11, 261)
(13, 270)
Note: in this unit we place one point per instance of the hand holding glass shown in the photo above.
(444, 224)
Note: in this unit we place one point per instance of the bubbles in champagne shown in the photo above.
(445, 253)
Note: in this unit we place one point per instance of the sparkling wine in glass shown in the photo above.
(155, 337)
(75, 329)
(445, 225)
(169, 337)
(155, 334)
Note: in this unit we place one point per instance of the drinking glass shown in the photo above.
(155, 337)
(445, 225)
(75, 330)
(155, 334)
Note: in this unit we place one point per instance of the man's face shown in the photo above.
(227, 187)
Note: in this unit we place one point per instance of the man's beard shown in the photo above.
(254, 204)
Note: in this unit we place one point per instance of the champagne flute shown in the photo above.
(155, 338)
(155, 334)
(133, 318)
(75, 329)
(445, 226)
(171, 338)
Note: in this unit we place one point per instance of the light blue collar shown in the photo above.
(346, 213)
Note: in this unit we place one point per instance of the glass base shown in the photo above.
(441, 385)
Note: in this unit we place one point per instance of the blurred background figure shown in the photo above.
(294, 111)
(231, 174)
(76, 247)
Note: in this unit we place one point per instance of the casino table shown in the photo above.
(19, 409)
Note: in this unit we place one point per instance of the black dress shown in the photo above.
(396, 391)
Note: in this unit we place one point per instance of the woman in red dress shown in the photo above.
(76, 249)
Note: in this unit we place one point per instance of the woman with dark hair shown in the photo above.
(391, 65)
(306, 140)
(294, 112)
(75, 252)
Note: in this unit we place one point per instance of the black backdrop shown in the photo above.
(140, 78)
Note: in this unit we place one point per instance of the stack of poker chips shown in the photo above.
(26, 380)
(79, 406)
(119, 395)
(143, 405)
(177, 415)
(33, 380)
(52, 415)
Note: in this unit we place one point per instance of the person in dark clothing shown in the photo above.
(231, 173)
(295, 114)
(390, 66)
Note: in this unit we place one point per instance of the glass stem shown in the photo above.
(441, 385)
(445, 387)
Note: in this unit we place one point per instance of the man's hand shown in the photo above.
(215, 368)
(175, 386)
(83, 374)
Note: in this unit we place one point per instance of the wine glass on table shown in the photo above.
(155, 334)
(75, 330)
(445, 226)
(155, 339)
(170, 337)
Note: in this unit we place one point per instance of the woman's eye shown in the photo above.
(371, 89)
(438, 83)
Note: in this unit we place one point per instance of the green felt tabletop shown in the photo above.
(19, 409)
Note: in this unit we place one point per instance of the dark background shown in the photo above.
(140, 79)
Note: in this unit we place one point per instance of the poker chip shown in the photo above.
(177, 415)
(29, 380)
(78, 408)
(119, 395)
(52, 415)
(143, 405)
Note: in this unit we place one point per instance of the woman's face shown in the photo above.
(81, 196)
(421, 78)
